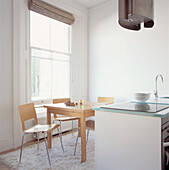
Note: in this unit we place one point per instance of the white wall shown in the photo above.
(6, 115)
(122, 62)
(14, 62)
(22, 60)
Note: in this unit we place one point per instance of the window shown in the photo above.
(50, 57)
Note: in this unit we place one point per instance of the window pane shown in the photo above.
(60, 79)
(39, 30)
(41, 79)
(59, 36)
(50, 68)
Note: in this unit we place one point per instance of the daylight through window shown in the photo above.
(50, 57)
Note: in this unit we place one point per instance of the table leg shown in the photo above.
(49, 133)
(79, 126)
(83, 138)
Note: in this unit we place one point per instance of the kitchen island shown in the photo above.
(130, 139)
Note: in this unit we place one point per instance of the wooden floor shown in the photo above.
(3, 167)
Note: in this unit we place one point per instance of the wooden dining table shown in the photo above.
(81, 111)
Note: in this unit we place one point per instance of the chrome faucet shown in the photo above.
(156, 90)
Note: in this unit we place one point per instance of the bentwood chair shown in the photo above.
(27, 112)
(63, 118)
(90, 124)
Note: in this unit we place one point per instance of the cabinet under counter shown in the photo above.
(127, 141)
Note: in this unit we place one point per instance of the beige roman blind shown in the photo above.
(51, 11)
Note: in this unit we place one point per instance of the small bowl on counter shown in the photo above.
(142, 97)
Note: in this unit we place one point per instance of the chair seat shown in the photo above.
(90, 124)
(65, 118)
(42, 128)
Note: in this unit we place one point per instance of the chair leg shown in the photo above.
(47, 149)
(21, 148)
(38, 141)
(87, 135)
(76, 141)
(72, 127)
(60, 140)
(60, 130)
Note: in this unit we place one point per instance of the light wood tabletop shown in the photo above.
(80, 111)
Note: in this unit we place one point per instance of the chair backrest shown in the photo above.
(108, 100)
(63, 100)
(27, 111)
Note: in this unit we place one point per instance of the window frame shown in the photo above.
(69, 53)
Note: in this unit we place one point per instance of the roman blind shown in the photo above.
(51, 11)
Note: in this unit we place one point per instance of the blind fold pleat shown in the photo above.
(51, 11)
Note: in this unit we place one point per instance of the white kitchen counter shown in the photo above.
(127, 141)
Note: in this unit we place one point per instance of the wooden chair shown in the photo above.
(27, 112)
(107, 100)
(90, 124)
(65, 118)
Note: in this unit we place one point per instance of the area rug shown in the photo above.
(33, 159)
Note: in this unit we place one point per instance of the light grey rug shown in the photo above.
(33, 159)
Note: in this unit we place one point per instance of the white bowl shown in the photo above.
(142, 97)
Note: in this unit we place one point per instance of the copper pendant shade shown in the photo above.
(134, 12)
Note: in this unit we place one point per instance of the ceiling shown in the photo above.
(91, 3)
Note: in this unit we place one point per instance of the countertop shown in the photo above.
(160, 114)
